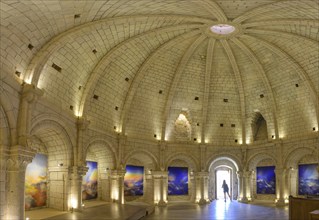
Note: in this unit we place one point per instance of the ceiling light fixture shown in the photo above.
(222, 29)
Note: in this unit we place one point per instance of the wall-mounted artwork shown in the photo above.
(133, 180)
(266, 180)
(308, 179)
(89, 182)
(36, 182)
(177, 181)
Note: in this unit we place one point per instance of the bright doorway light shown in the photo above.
(222, 175)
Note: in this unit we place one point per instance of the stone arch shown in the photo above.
(258, 157)
(296, 155)
(223, 162)
(291, 164)
(234, 159)
(150, 156)
(58, 141)
(101, 150)
(190, 160)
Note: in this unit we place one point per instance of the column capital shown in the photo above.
(78, 170)
(82, 123)
(117, 173)
(30, 92)
(159, 173)
(201, 174)
(19, 157)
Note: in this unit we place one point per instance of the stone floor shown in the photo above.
(218, 209)
(173, 211)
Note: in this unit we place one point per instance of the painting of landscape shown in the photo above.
(89, 181)
(266, 180)
(36, 182)
(177, 181)
(308, 179)
(133, 180)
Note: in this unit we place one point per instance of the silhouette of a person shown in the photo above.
(226, 190)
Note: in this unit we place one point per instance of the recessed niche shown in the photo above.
(30, 46)
(221, 125)
(127, 79)
(225, 100)
(71, 107)
(18, 73)
(96, 97)
(236, 140)
(94, 51)
(160, 91)
(56, 67)
(297, 85)
(196, 98)
(261, 96)
(77, 15)
(233, 125)
(116, 108)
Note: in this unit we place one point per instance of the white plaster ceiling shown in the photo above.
(127, 51)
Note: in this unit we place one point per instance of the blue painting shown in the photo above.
(133, 180)
(177, 181)
(266, 180)
(308, 179)
(89, 182)
(36, 182)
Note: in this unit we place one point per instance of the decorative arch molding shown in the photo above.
(296, 155)
(190, 160)
(256, 158)
(131, 155)
(232, 158)
(10, 115)
(48, 124)
(54, 119)
(103, 142)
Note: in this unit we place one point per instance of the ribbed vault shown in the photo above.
(132, 66)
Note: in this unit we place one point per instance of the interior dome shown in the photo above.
(133, 69)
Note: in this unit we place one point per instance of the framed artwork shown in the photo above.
(36, 182)
(89, 181)
(266, 180)
(177, 181)
(133, 180)
(308, 181)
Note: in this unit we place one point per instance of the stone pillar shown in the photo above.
(4, 155)
(160, 187)
(79, 155)
(76, 176)
(192, 181)
(280, 186)
(18, 160)
(242, 176)
(202, 188)
(117, 186)
(30, 95)
(148, 187)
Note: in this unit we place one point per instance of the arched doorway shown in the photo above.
(223, 168)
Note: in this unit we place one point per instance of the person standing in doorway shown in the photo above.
(226, 190)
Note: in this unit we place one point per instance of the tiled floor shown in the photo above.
(220, 210)
(173, 211)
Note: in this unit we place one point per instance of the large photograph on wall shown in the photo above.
(266, 180)
(308, 179)
(177, 181)
(133, 180)
(89, 182)
(36, 182)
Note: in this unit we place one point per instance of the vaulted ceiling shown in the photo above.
(134, 65)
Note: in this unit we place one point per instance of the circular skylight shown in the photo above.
(222, 29)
